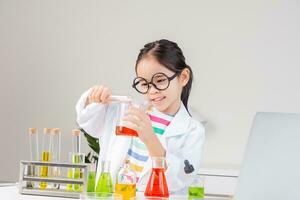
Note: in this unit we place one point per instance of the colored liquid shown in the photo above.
(91, 182)
(126, 190)
(157, 184)
(70, 175)
(196, 192)
(122, 130)
(105, 183)
(44, 169)
(76, 159)
(75, 173)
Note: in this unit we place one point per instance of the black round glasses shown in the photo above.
(159, 80)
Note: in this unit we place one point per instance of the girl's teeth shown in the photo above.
(158, 99)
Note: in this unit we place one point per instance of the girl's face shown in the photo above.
(167, 101)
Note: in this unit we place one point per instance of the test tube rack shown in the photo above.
(24, 178)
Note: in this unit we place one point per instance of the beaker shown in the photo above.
(124, 128)
(91, 178)
(157, 184)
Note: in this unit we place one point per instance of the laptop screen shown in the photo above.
(271, 166)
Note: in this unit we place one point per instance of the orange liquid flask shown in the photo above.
(157, 184)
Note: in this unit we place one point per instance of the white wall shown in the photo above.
(245, 56)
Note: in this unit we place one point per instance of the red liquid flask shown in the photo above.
(157, 185)
(122, 130)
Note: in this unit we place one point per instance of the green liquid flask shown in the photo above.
(104, 184)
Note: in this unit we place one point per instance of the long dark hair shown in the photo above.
(170, 55)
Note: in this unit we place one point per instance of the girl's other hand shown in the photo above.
(142, 124)
(98, 94)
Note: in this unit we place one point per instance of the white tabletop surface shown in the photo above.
(12, 193)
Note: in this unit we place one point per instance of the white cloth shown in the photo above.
(183, 140)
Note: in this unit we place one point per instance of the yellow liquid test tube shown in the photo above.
(46, 156)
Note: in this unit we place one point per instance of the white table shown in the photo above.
(12, 193)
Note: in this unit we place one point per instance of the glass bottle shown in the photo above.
(196, 188)
(126, 182)
(157, 184)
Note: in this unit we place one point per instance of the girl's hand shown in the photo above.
(142, 124)
(98, 94)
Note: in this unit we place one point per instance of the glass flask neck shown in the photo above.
(159, 162)
(105, 166)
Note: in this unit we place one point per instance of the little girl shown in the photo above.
(167, 130)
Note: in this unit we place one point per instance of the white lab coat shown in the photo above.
(183, 140)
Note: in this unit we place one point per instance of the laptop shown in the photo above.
(271, 166)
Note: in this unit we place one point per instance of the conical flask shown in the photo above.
(104, 184)
(157, 184)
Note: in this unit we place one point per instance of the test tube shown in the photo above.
(46, 155)
(55, 149)
(34, 154)
(75, 157)
(76, 141)
(33, 143)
